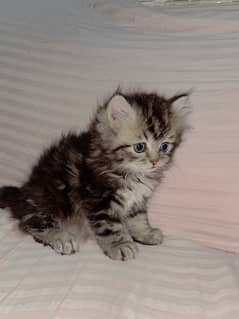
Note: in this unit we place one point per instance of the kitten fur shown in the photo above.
(95, 183)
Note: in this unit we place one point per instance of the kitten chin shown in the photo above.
(98, 183)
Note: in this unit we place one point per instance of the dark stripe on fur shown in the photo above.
(120, 147)
(104, 217)
(107, 232)
(38, 223)
(134, 212)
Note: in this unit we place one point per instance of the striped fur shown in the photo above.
(96, 183)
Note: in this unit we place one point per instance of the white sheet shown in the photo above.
(56, 58)
(179, 279)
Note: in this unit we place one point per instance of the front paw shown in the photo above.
(153, 236)
(122, 251)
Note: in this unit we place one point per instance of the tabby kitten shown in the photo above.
(99, 182)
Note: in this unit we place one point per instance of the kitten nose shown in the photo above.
(154, 162)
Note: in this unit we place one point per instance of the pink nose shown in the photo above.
(154, 163)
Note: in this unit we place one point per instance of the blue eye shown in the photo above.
(139, 148)
(163, 147)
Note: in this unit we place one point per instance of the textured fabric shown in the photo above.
(177, 280)
(56, 58)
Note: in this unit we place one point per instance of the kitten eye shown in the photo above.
(164, 147)
(139, 147)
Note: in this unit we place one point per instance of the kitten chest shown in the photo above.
(136, 192)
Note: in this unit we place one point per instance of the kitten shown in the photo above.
(99, 182)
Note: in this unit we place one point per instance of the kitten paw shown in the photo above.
(64, 244)
(153, 237)
(123, 251)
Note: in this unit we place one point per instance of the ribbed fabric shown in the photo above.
(56, 59)
(177, 280)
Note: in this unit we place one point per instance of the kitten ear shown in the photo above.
(180, 110)
(119, 111)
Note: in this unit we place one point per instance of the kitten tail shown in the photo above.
(9, 195)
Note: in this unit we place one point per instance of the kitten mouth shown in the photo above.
(153, 167)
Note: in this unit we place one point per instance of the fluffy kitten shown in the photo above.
(99, 182)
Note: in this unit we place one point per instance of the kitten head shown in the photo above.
(140, 131)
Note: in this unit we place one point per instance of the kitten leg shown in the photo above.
(112, 236)
(46, 230)
(141, 230)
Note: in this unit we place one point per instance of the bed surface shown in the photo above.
(178, 280)
(56, 59)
